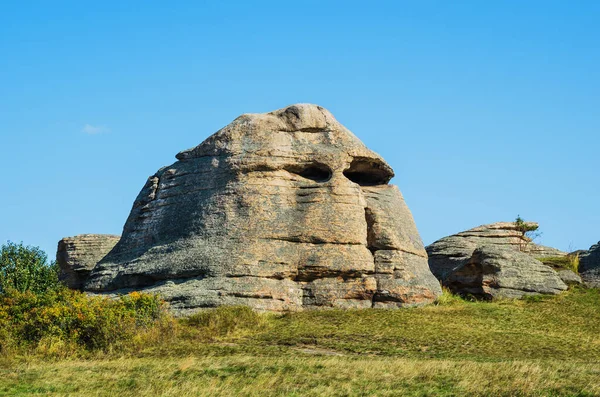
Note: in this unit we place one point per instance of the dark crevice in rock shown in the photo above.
(370, 220)
(309, 240)
(271, 277)
(307, 129)
(381, 297)
(138, 281)
(251, 296)
(368, 172)
(314, 171)
(312, 130)
(259, 168)
(306, 275)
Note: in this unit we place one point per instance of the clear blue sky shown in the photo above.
(484, 109)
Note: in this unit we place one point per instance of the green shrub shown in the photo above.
(70, 318)
(26, 268)
(225, 320)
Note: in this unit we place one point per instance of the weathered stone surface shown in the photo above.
(498, 272)
(589, 266)
(569, 277)
(279, 211)
(449, 253)
(76, 256)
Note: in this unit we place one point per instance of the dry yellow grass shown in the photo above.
(299, 375)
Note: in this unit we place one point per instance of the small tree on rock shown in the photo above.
(529, 231)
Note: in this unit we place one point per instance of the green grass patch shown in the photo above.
(531, 347)
(226, 321)
(569, 262)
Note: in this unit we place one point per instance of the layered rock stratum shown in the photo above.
(286, 210)
(449, 253)
(76, 256)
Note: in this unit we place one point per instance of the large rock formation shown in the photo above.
(497, 272)
(279, 211)
(589, 266)
(76, 256)
(449, 253)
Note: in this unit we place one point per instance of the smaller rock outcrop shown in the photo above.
(76, 256)
(589, 266)
(569, 277)
(449, 253)
(497, 272)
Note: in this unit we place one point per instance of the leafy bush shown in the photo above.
(73, 319)
(26, 268)
(225, 320)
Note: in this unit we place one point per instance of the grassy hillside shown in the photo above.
(542, 346)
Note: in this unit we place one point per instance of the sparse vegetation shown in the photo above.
(448, 298)
(226, 320)
(530, 232)
(523, 227)
(570, 262)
